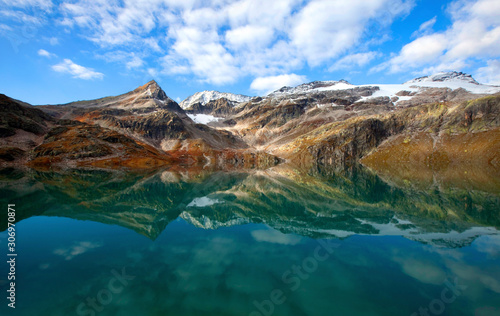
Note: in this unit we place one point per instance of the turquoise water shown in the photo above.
(274, 242)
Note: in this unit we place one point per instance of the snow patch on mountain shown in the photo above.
(446, 76)
(206, 96)
(311, 87)
(204, 118)
(452, 80)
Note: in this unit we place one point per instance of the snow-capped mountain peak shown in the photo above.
(312, 86)
(204, 97)
(451, 76)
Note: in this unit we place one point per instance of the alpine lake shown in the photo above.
(281, 241)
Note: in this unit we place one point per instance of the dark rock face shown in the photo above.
(22, 127)
(221, 108)
(15, 116)
(348, 146)
(11, 153)
(163, 124)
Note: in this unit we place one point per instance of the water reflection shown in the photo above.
(220, 243)
(319, 202)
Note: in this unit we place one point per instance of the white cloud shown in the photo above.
(474, 34)
(419, 52)
(325, 29)
(130, 59)
(44, 4)
(249, 36)
(204, 55)
(425, 27)
(354, 60)
(77, 71)
(153, 44)
(44, 53)
(489, 74)
(135, 62)
(31, 21)
(272, 83)
(220, 42)
(6, 28)
(152, 72)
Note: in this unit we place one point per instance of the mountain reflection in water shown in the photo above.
(219, 242)
(319, 202)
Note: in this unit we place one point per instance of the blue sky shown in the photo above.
(60, 51)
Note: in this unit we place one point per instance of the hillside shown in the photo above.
(440, 121)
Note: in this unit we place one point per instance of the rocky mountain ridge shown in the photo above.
(327, 122)
(204, 97)
(446, 76)
(141, 128)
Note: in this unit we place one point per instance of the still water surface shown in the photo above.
(275, 242)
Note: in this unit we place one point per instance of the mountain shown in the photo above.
(339, 123)
(312, 87)
(21, 128)
(141, 128)
(451, 76)
(206, 96)
(31, 136)
(147, 98)
(444, 120)
(394, 94)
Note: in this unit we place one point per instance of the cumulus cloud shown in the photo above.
(44, 53)
(221, 42)
(249, 36)
(419, 52)
(134, 62)
(204, 55)
(474, 34)
(489, 74)
(77, 71)
(271, 83)
(325, 29)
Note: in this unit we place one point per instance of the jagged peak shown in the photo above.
(446, 76)
(206, 96)
(306, 87)
(153, 89)
(148, 85)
